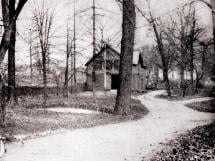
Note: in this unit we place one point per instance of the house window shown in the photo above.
(98, 65)
(109, 64)
(116, 64)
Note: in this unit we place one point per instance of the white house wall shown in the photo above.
(175, 75)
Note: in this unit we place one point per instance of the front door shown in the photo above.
(114, 81)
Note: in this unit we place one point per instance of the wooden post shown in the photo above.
(74, 47)
(94, 50)
(105, 69)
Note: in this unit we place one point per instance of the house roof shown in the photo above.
(137, 56)
(100, 52)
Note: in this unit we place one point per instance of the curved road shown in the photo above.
(118, 142)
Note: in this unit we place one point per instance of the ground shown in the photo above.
(195, 145)
(205, 106)
(133, 141)
(30, 120)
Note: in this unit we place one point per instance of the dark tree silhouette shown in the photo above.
(11, 56)
(125, 70)
(8, 25)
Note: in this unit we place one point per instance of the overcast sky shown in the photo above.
(108, 19)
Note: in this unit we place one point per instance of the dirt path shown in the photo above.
(120, 142)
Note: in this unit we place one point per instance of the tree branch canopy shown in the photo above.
(8, 25)
(205, 2)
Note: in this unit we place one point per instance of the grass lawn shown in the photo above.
(205, 106)
(29, 117)
(176, 96)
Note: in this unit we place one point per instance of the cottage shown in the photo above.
(106, 63)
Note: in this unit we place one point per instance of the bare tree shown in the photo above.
(43, 20)
(125, 70)
(163, 55)
(157, 27)
(204, 64)
(8, 25)
(192, 37)
(194, 34)
(175, 35)
(211, 6)
(31, 53)
(66, 90)
(11, 57)
(68, 55)
(182, 37)
(28, 40)
(56, 72)
(2, 102)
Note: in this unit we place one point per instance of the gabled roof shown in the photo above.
(137, 56)
(101, 52)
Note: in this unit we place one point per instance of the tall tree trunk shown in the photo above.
(94, 53)
(44, 78)
(5, 41)
(2, 114)
(11, 57)
(2, 103)
(43, 19)
(166, 77)
(213, 68)
(125, 71)
(182, 82)
(12, 68)
(192, 70)
(192, 54)
(8, 27)
(213, 20)
(161, 52)
(165, 66)
(66, 90)
(58, 84)
(31, 55)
